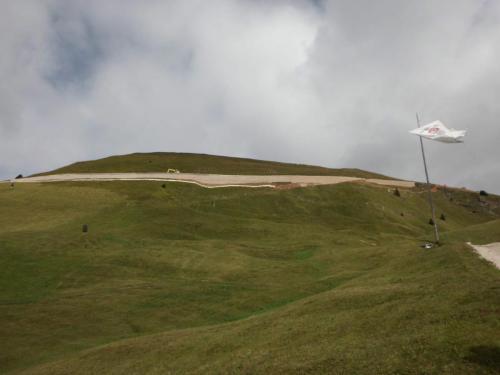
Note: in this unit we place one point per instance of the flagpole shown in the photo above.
(436, 232)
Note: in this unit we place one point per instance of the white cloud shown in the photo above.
(336, 84)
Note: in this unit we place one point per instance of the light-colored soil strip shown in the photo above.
(215, 180)
(489, 252)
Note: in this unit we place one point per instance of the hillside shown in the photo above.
(175, 278)
(201, 163)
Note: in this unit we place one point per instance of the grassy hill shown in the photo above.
(181, 279)
(201, 163)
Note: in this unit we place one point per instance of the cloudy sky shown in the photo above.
(334, 83)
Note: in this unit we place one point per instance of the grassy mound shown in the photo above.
(181, 279)
(200, 163)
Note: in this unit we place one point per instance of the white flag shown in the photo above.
(438, 132)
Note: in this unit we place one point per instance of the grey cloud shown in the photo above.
(75, 47)
(325, 82)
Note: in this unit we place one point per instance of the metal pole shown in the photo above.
(436, 232)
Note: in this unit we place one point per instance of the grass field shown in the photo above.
(199, 163)
(181, 279)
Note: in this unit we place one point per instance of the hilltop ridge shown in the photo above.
(203, 163)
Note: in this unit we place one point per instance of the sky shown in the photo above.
(332, 83)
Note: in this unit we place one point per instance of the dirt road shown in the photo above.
(489, 252)
(215, 180)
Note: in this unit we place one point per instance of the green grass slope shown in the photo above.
(181, 279)
(201, 163)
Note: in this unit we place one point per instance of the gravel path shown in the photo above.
(214, 180)
(489, 252)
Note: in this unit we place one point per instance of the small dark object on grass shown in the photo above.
(442, 217)
(431, 222)
(19, 176)
(163, 186)
(85, 228)
(397, 193)
(483, 193)
(11, 184)
(402, 214)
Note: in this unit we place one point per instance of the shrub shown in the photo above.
(397, 193)
(483, 193)
(19, 176)
(163, 186)
(443, 217)
(431, 222)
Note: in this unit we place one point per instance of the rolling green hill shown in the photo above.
(174, 278)
(201, 163)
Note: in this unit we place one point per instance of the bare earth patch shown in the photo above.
(489, 252)
(216, 180)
